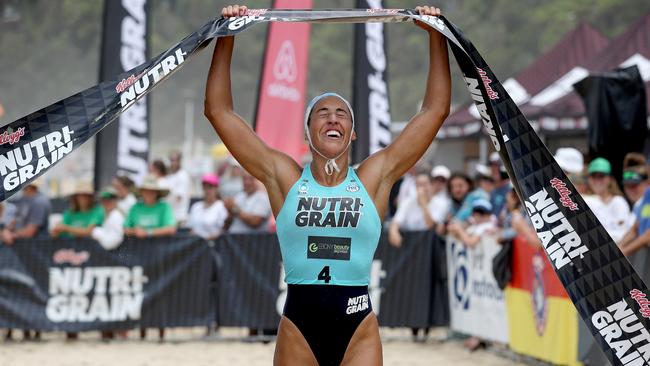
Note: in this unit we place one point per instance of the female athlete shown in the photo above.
(328, 214)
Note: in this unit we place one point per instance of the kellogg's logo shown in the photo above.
(486, 83)
(644, 304)
(11, 137)
(125, 83)
(62, 256)
(565, 194)
(255, 12)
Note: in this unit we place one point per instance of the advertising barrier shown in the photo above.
(476, 303)
(542, 321)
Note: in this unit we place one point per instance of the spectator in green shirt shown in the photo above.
(82, 216)
(151, 216)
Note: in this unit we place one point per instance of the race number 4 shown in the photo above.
(324, 274)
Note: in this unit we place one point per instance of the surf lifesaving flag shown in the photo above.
(542, 321)
(281, 98)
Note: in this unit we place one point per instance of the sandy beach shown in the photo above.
(228, 348)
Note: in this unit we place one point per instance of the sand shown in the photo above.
(229, 348)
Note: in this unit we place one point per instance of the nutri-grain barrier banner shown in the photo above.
(476, 303)
(76, 285)
(601, 283)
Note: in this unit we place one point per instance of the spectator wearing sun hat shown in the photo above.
(605, 199)
(82, 216)
(207, 217)
(151, 216)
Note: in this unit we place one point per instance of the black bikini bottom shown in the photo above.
(327, 316)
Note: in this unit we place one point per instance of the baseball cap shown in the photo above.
(570, 160)
(600, 165)
(494, 158)
(482, 205)
(440, 171)
(108, 193)
(211, 179)
(633, 177)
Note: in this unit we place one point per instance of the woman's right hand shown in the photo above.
(234, 11)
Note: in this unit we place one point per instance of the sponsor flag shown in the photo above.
(601, 283)
(281, 100)
(541, 319)
(123, 147)
(370, 86)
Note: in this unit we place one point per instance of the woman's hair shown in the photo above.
(160, 166)
(612, 187)
(126, 182)
(633, 160)
(74, 205)
(463, 176)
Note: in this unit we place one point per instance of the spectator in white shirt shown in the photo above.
(111, 233)
(180, 188)
(417, 212)
(441, 202)
(124, 187)
(207, 217)
(605, 200)
(249, 211)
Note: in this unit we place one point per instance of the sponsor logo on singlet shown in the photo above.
(353, 187)
(357, 304)
(303, 188)
(328, 211)
(328, 247)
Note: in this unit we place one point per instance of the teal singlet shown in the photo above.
(328, 235)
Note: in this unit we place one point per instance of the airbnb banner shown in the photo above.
(281, 103)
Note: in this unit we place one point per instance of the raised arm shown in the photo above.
(249, 150)
(384, 168)
(418, 134)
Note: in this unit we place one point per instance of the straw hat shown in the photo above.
(83, 187)
(151, 183)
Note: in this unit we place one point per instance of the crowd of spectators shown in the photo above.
(157, 206)
(232, 201)
(470, 209)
